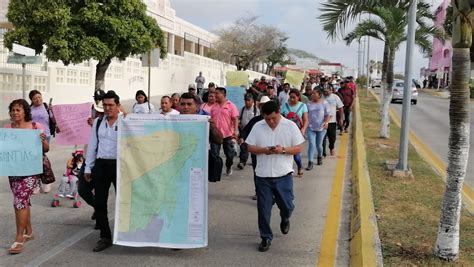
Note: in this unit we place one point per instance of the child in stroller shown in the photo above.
(68, 186)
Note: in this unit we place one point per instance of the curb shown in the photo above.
(365, 247)
(434, 160)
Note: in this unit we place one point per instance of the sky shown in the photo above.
(298, 18)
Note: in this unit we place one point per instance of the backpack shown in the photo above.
(293, 116)
(52, 123)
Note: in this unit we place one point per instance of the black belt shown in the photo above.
(107, 160)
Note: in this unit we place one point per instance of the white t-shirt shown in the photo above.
(283, 97)
(286, 134)
(171, 112)
(334, 103)
(143, 108)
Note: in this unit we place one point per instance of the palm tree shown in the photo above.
(388, 25)
(447, 241)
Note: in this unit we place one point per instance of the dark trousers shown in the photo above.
(331, 136)
(347, 117)
(254, 165)
(85, 188)
(229, 151)
(104, 173)
(282, 189)
(244, 153)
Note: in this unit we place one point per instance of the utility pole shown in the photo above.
(359, 68)
(403, 151)
(363, 57)
(368, 64)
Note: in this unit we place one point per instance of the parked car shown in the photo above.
(398, 90)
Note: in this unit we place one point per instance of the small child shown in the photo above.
(73, 166)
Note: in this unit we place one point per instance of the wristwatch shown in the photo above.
(283, 151)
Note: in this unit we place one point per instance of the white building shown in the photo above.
(188, 46)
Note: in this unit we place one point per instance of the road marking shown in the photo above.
(61, 247)
(327, 254)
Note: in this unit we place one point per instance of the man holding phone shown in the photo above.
(274, 140)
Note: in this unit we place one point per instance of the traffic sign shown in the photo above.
(23, 50)
(19, 59)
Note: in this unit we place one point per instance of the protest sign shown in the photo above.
(21, 153)
(294, 78)
(72, 123)
(237, 78)
(236, 95)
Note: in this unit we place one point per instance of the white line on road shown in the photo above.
(61, 247)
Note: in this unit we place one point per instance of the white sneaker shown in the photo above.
(61, 195)
(229, 171)
(46, 188)
(70, 196)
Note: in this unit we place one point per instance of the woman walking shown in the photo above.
(319, 116)
(142, 106)
(42, 113)
(296, 111)
(23, 186)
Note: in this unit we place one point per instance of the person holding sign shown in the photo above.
(23, 186)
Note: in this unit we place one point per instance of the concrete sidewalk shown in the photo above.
(65, 236)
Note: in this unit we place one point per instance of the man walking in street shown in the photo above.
(200, 80)
(284, 95)
(101, 163)
(274, 140)
(226, 116)
(248, 111)
(335, 106)
(347, 99)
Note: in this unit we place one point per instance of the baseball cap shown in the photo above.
(211, 84)
(99, 95)
(192, 86)
(263, 78)
(248, 96)
(264, 99)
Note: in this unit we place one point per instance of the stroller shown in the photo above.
(69, 181)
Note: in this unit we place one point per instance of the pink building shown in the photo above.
(440, 61)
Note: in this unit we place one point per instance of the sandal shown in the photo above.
(27, 238)
(16, 248)
(300, 172)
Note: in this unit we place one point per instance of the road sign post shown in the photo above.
(23, 55)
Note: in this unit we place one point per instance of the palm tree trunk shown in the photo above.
(385, 122)
(386, 50)
(447, 241)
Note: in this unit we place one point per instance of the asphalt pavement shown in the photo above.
(429, 119)
(65, 235)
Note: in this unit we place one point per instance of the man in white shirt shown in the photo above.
(166, 108)
(274, 140)
(336, 105)
(284, 95)
(248, 112)
(101, 163)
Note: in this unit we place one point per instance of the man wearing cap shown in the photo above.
(101, 163)
(249, 111)
(226, 116)
(270, 93)
(274, 140)
(200, 80)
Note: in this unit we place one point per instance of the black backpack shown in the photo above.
(52, 122)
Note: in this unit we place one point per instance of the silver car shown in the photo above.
(398, 90)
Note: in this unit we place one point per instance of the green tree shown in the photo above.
(77, 31)
(447, 241)
(278, 56)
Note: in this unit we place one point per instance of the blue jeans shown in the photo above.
(315, 139)
(282, 189)
(297, 158)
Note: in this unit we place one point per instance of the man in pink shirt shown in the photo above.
(226, 117)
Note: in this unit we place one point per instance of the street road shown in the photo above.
(429, 119)
(65, 236)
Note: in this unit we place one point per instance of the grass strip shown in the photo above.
(407, 210)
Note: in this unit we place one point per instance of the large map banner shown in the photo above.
(162, 181)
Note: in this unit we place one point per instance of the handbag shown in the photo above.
(47, 177)
(215, 167)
